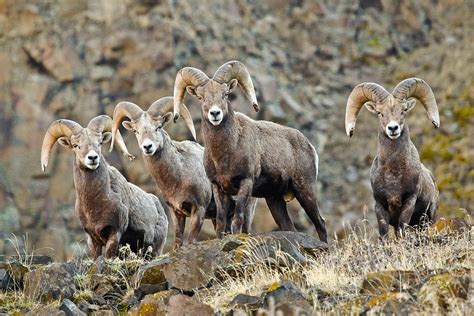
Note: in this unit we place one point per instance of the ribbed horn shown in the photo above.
(362, 93)
(165, 105)
(420, 90)
(236, 70)
(187, 76)
(103, 123)
(122, 111)
(56, 130)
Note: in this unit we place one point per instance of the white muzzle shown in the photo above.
(148, 147)
(215, 115)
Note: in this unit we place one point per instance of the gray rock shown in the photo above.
(70, 309)
(151, 273)
(288, 299)
(184, 305)
(16, 271)
(52, 282)
(194, 265)
(5, 279)
(246, 303)
(295, 244)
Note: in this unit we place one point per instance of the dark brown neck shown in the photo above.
(91, 184)
(165, 164)
(219, 139)
(393, 151)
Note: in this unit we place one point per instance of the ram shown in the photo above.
(112, 211)
(246, 158)
(404, 189)
(177, 167)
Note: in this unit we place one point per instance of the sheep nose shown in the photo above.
(147, 147)
(392, 128)
(215, 113)
(92, 158)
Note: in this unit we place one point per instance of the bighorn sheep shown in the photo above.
(404, 190)
(111, 210)
(249, 158)
(177, 167)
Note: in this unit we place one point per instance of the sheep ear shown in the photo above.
(166, 119)
(191, 90)
(106, 137)
(232, 84)
(370, 106)
(128, 125)
(410, 104)
(65, 142)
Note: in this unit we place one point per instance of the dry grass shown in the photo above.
(117, 272)
(336, 276)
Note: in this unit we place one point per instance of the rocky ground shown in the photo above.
(77, 59)
(263, 274)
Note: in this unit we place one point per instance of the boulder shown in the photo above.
(70, 309)
(153, 304)
(271, 245)
(287, 298)
(388, 303)
(151, 273)
(51, 282)
(193, 266)
(181, 305)
(246, 303)
(377, 283)
(440, 289)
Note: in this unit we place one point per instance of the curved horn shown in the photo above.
(56, 130)
(236, 70)
(420, 90)
(187, 76)
(103, 123)
(165, 105)
(362, 93)
(122, 111)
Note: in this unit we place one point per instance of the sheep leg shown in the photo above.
(96, 249)
(223, 202)
(179, 221)
(248, 216)
(306, 196)
(277, 206)
(112, 245)
(197, 218)
(242, 205)
(382, 219)
(407, 212)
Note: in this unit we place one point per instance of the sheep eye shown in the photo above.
(135, 131)
(75, 146)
